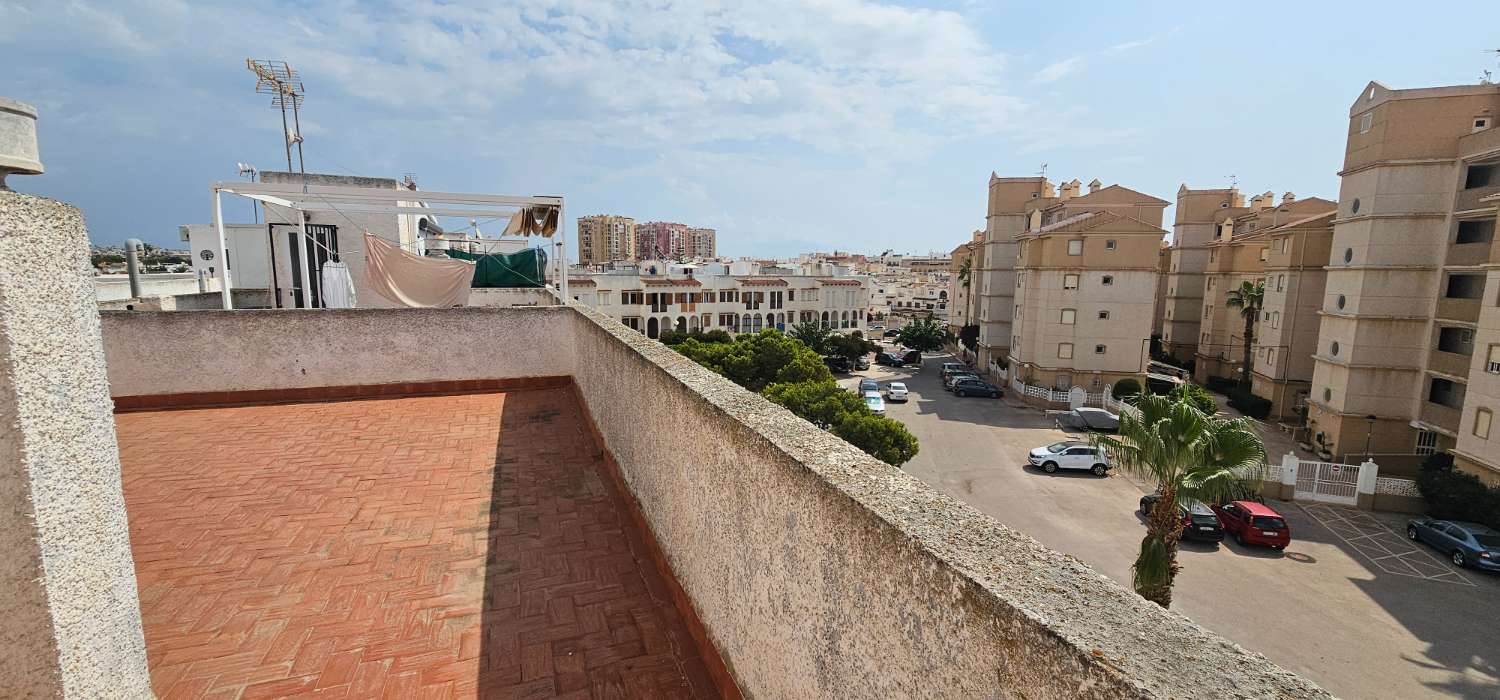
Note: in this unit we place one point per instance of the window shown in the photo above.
(1070, 281)
(1327, 395)
(791, 295)
(1099, 349)
(1108, 280)
(1482, 419)
(1281, 283)
(1334, 348)
(1075, 247)
(1069, 316)
(1281, 245)
(1445, 393)
(1354, 206)
(1479, 176)
(1065, 350)
(1492, 360)
(1465, 286)
(1271, 356)
(1341, 301)
(1275, 319)
(1475, 231)
(1481, 123)
(1263, 251)
(1456, 340)
(1426, 442)
(1109, 245)
(1208, 310)
(1366, 120)
(1348, 255)
(1104, 315)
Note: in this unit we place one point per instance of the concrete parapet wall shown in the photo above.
(816, 570)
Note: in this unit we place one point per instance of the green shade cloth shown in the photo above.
(527, 268)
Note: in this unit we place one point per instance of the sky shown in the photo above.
(788, 126)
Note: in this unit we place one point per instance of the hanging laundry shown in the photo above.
(338, 286)
(412, 280)
(526, 268)
(533, 221)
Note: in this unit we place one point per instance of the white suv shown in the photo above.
(1070, 455)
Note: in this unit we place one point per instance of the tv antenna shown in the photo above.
(1043, 171)
(1485, 76)
(284, 85)
(1234, 181)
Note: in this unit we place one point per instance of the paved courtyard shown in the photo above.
(1350, 604)
(423, 547)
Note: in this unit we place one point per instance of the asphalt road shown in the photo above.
(1350, 604)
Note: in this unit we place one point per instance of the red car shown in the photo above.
(1254, 523)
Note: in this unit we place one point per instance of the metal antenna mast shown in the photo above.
(284, 85)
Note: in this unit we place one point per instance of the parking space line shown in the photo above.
(1375, 534)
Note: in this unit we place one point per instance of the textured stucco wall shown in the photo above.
(69, 612)
(816, 570)
(821, 572)
(152, 353)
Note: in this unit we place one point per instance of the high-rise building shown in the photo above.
(1193, 229)
(1408, 356)
(702, 243)
(605, 238)
(661, 240)
(1082, 280)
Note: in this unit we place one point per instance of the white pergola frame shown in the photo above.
(367, 200)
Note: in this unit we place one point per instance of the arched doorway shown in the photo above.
(682, 324)
(825, 319)
(693, 324)
(652, 330)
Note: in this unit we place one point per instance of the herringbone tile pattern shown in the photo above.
(422, 547)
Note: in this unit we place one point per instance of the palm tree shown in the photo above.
(1248, 298)
(1190, 455)
(965, 271)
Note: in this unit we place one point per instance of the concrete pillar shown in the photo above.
(1289, 463)
(70, 623)
(1364, 486)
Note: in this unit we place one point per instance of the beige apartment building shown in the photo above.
(963, 298)
(702, 243)
(1239, 253)
(1194, 227)
(604, 238)
(1084, 285)
(1286, 336)
(1408, 356)
(1005, 221)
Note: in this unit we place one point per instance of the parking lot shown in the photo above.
(1350, 604)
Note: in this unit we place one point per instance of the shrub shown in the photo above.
(1223, 385)
(1249, 404)
(1126, 387)
(1198, 397)
(1456, 495)
(885, 439)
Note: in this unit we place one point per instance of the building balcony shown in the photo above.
(1440, 416)
(539, 501)
(1468, 254)
(1450, 363)
(1455, 309)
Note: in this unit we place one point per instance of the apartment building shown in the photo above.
(1238, 254)
(734, 303)
(1408, 356)
(702, 243)
(1286, 336)
(1193, 229)
(605, 238)
(961, 291)
(1005, 220)
(661, 240)
(1084, 284)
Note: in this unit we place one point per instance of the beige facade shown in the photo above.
(1408, 315)
(702, 243)
(1005, 221)
(1084, 285)
(962, 294)
(1287, 334)
(1240, 253)
(1193, 229)
(605, 238)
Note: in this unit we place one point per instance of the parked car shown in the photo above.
(862, 363)
(875, 403)
(912, 357)
(950, 379)
(889, 360)
(976, 387)
(1254, 523)
(890, 333)
(1467, 544)
(1096, 419)
(951, 367)
(877, 327)
(1070, 454)
(1199, 522)
(866, 386)
(838, 364)
(895, 392)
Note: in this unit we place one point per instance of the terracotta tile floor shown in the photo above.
(422, 547)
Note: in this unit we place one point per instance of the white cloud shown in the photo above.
(1057, 71)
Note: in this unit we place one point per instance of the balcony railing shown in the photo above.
(1455, 309)
(1444, 417)
(1451, 363)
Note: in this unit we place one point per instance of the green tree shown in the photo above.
(887, 440)
(758, 360)
(1197, 396)
(966, 271)
(1126, 388)
(850, 346)
(813, 335)
(1248, 298)
(968, 336)
(924, 334)
(822, 404)
(1189, 455)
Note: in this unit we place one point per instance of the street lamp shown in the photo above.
(1369, 431)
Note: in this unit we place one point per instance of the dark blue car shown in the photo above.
(1468, 544)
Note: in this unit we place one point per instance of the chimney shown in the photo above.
(1094, 185)
(1288, 198)
(1070, 189)
(1255, 202)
